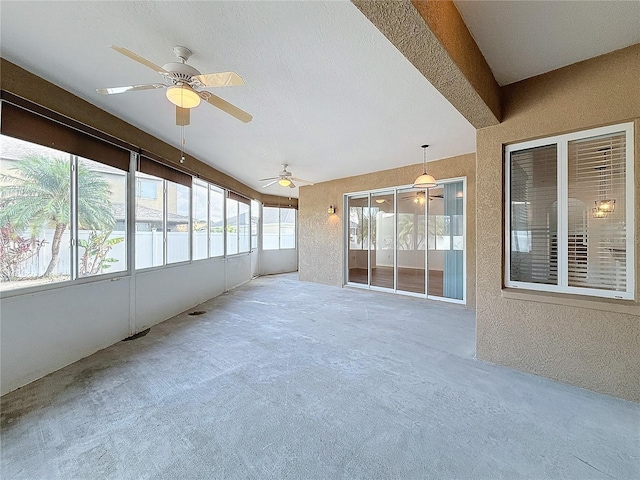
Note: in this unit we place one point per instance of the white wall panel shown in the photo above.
(42, 332)
(278, 261)
(165, 292)
(45, 331)
(238, 270)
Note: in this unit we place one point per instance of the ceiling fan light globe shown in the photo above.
(425, 181)
(285, 182)
(183, 96)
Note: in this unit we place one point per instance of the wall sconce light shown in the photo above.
(331, 210)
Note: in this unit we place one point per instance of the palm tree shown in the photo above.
(40, 193)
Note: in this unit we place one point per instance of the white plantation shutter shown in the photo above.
(534, 233)
(597, 237)
(570, 213)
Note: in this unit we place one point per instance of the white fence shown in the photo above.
(149, 251)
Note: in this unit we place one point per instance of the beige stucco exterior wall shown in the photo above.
(588, 342)
(320, 242)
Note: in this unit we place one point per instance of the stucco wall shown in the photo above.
(588, 342)
(320, 240)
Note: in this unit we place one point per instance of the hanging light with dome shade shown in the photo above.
(425, 180)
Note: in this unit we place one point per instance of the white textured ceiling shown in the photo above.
(521, 39)
(329, 94)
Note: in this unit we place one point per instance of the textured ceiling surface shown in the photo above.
(329, 94)
(521, 39)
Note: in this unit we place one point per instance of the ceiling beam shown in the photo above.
(435, 39)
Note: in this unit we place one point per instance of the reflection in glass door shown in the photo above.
(446, 241)
(382, 249)
(411, 240)
(358, 240)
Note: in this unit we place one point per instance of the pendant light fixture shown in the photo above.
(604, 206)
(425, 180)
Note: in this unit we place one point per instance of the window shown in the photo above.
(163, 222)
(216, 222)
(232, 226)
(244, 229)
(178, 200)
(41, 240)
(270, 228)
(102, 209)
(35, 214)
(238, 224)
(200, 220)
(150, 225)
(287, 228)
(146, 188)
(255, 223)
(278, 228)
(570, 219)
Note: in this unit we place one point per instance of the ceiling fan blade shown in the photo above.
(270, 178)
(225, 106)
(134, 56)
(301, 180)
(183, 116)
(222, 79)
(269, 184)
(291, 184)
(129, 88)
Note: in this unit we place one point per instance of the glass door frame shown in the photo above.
(368, 286)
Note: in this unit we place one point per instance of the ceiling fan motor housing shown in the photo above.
(180, 72)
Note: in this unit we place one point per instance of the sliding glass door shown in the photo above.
(411, 240)
(382, 249)
(358, 240)
(445, 257)
(408, 241)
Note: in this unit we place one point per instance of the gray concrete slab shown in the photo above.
(281, 379)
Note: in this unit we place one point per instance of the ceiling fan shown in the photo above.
(184, 85)
(419, 197)
(284, 179)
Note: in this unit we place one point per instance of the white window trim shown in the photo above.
(563, 198)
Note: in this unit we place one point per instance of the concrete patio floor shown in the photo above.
(285, 379)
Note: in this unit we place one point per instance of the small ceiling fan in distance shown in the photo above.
(184, 85)
(284, 179)
(419, 197)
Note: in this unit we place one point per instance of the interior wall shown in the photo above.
(67, 323)
(589, 342)
(278, 261)
(321, 238)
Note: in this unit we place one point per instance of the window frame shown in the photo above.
(73, 247)
(165, 215)
(202, 184)
(295, 214)
(222, 192)
(562, 142)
